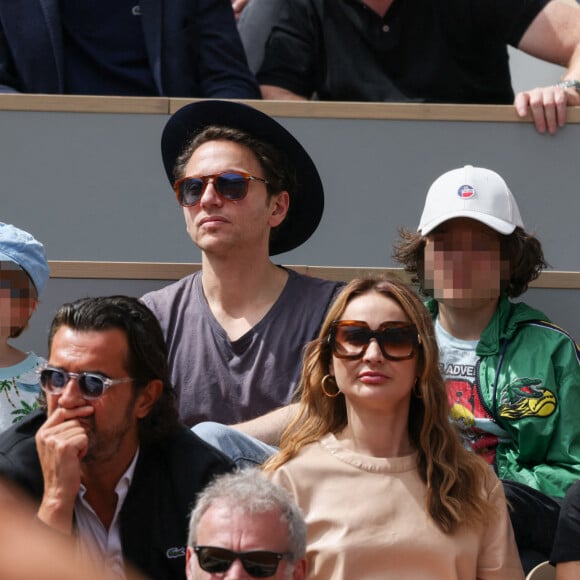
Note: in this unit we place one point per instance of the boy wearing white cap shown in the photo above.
(513, 377)
(23, 275)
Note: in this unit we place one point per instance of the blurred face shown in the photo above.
(217, 225)
(112, 426)
(225, 527)
(463, 264)
(374, 382)
(17, 298)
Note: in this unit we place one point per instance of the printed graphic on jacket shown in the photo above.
(526, 398)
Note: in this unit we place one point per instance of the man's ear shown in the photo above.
(300, 569)
(32, 306)
(147, 397)
(279, 205)
(189, 563)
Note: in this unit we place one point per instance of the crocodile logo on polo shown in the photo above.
(177, 552)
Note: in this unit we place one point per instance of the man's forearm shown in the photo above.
(554, 35)
(274, 93)
(56, 514)
(269, 428)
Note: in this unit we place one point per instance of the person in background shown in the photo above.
(512, 375)
(107, 462)
(255, 20)
(23, 275)
(236, 329)
(392, 50)
(172, 48)
(386, 487)
(238, 6)
(245, 526)
(566, 551)
(55, 556)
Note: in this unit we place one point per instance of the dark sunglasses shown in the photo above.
(351, 338)
(259, 563)
(91, 385)
(231, 185)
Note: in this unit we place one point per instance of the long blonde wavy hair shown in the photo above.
(453, 475)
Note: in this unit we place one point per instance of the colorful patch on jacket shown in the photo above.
(526, 397)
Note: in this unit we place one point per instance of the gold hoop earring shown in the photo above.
(330, 378)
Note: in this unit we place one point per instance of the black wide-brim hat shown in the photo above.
(307, 195)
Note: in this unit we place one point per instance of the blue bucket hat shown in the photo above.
(25, 251)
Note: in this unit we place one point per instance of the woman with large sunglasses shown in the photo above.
(386, 486)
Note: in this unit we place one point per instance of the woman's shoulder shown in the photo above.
(492, 487)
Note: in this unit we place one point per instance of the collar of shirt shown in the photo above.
(103, 546)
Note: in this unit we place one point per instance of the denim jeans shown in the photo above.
(243, 450)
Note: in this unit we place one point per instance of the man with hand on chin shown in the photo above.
(108, 461)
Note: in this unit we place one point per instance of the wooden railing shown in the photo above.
(175, 271)
(305, 109)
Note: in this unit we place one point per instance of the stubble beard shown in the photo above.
(104, 445)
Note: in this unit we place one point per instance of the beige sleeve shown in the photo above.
(499, 558)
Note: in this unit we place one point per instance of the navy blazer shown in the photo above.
(193, 46)
(154, 517)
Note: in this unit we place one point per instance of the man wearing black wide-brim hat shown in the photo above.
(236, 329)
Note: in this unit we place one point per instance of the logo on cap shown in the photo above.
(466, 192)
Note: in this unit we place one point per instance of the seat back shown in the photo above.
(543, 571)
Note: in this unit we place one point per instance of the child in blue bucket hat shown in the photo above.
(23, 276)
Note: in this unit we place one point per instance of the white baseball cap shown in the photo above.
(471, 192)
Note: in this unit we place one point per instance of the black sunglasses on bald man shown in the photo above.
(257, 563)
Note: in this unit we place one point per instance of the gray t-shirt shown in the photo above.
(217, 379)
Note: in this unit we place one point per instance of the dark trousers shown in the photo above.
(534, 517)
(567, 542)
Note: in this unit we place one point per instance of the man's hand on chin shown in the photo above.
(61, 442)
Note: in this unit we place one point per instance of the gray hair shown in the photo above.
(251, 493)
